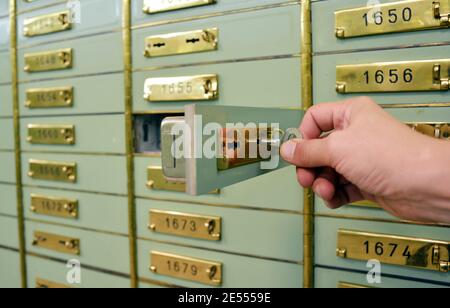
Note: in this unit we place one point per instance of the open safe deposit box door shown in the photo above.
(223, 145)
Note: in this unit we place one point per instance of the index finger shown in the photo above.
(324, 117)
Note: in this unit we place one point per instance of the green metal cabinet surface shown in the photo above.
(260, 62)
(8, 205)
(238, 271)
(6, 134)
(5, 77)
(104, 251)
(9, 269)
(331, 278)
(6, 108)
(7, 167)
(8, 235)
(91, 95)
(327, 234)
(257, 85)
(93, 134)
(85, 62)
(325, 40)
(324, 74)
(239, 37)
(260, 192)
(40, 268)
(245, 231)
(95, 173)
(139, 17)
(91, 206)
(86, 20)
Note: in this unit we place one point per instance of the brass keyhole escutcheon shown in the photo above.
(65, 20)
(211, 226)
(66, 97)
(65, 58)
(69, 173)
(208, 36)
(70, 208)
(212, 271)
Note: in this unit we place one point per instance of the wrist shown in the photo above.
(431, 182)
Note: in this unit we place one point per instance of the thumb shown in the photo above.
(312, 153)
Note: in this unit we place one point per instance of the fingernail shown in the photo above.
(288, 150)
(319, 193)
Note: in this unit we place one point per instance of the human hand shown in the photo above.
(369, 155)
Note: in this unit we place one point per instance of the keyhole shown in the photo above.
(193, 41)
(159, 45)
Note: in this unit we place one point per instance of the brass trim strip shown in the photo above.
(233, 253)
(385, 220)
(128, 77)
(397, 47)
(307, 102)
(217, 14)
(252, 59)
(231, 206)
(15, 90)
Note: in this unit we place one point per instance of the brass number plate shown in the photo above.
(47, 24)
(48, 61)
(157, 6)
(405, 76)
(187, 225)
(51, 134)
(397, 250)
(52, 171)
(188, 88)
(46, 284)
(48, 98)
(201, 271)
(402, 16)
(52, 206)
(57, 243)
(181, 43)
(157, 181)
